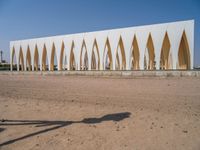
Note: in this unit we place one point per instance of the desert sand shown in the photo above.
(99, 113)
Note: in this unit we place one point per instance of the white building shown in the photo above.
(160, 46)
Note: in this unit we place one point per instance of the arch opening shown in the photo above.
(84, 57)
(149, 57)
(107, 59)
(53, 61)
(95, 62)
(117, 64)
(120, 56)
(65, 63)
(44, 59)
(165, 61)
(135, 55)
(36, 59)
(184, 53)
(21, 60)
(28, 59)
(94, 65)
(62, 58)
(72, 63)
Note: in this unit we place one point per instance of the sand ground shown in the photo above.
(97, 113)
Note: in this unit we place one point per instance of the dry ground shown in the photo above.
(90, 113)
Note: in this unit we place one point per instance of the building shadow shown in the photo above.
(53, 125)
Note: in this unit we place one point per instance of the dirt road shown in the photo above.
(90, 113)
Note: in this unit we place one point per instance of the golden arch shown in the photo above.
(120, 56)
(28, 59)
(107, 57)
(165, 60)
(135, 55)
(62, 57)
(72, 63)
(184, 53)
(84, 57)
(44, 59)
(149, 59)
(95, 60)
(53, 60)
(36, 59)
(21, 60)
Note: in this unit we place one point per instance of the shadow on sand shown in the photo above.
(57, 124)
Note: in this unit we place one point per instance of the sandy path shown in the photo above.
(71, 112)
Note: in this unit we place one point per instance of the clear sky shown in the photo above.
(22, 19)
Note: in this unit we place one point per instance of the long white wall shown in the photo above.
(78, 42)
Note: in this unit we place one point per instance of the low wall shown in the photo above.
(177, 73)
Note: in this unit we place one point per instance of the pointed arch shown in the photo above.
(14, 61)
(72, 61)
(84, 57)
(95, 60)
(184, 53)
(62, 58)
(65, 63)
(146, 60)
(135, 54)
(165, 61)
(170, 61)
(53, 61)
(28, 59)
(107, 56)
(85, 61)
(117, 64)
(120, 56)
(149, 54)
(21, 60)
(36, 59)
(44, 59)
(94, 65)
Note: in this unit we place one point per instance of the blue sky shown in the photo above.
(22, 19)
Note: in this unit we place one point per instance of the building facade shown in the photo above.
(150, 47)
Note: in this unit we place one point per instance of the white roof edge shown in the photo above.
(106, 30)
